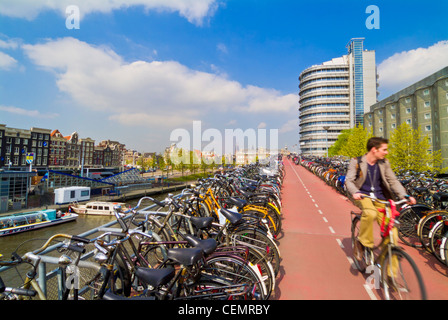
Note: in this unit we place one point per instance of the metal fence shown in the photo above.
(52, 282)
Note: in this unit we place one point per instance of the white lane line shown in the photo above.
(325, 219)
(370, 292)
(320, 211)
(340, 243)
(350, 260)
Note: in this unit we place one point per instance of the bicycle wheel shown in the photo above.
(266, 270)
(117, 280)
(436, 235)
(258, 239)
(408, 224)
(425, 226)
(228, 269)
(365, 261)
(401, 278)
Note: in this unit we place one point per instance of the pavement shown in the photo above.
(316, 249)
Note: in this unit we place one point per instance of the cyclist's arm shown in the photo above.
(350, 178)
(394, 183)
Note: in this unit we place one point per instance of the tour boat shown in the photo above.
(20, 222)
(95, 208)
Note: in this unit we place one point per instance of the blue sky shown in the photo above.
(136, 70)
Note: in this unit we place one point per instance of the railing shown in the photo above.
(51, 282)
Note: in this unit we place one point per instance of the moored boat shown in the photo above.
(20, 222)
(95, 208)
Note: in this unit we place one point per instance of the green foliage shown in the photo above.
(351, 142)
(342, 140)
(408, 150)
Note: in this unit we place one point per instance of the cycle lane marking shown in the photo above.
(313, 200)
(367, 288)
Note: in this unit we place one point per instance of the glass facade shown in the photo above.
(14, 189)
(356, 49)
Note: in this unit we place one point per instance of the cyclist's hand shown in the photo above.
(411, 200)
(358, 196)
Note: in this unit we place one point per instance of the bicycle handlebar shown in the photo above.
(387, 202)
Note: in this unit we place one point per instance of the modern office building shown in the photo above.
(334, 96)
(422, 105)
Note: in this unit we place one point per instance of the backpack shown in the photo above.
(358, 167)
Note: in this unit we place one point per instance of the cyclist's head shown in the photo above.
(376, 142)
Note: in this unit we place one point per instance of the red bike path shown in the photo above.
(316, 251)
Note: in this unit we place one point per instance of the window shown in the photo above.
(392, 116)
(380, 120)
(428, 128)
(426, 92)
(380, 111)
(408, 121)
(427, 104)
(408, 110)
(393, 125)
(84, 193)
(427, 116)
(380, 129)
(408, 100)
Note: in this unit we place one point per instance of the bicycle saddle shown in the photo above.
(202, 222)
(441, 196)
(207, 245)
(240, 203)
(185, 256)
(155, 277)
(233, 217)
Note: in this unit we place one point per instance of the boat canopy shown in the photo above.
(24, 219)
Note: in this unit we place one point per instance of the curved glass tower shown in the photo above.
(334, 96)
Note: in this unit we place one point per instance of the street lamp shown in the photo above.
(326, 137)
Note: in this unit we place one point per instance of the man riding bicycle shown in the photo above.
(372, 175)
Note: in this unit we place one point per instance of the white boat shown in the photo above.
(20, 222)
(95, 208)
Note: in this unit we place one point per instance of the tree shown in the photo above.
(408, 150)
(340, 142)
(352, 142)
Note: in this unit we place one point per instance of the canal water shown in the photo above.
(31, 240)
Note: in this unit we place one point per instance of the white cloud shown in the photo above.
(290, 126)
(6, 61)
(407, 67)
(222, 48)
(148, 93)
(9, 44)
(194, 10)
(27, 113)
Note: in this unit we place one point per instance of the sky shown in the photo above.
(134, 71)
